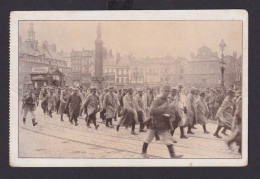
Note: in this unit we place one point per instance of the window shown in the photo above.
(117, 80)
(122, 80)
(123, 72)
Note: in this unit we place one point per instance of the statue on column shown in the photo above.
(99, 33)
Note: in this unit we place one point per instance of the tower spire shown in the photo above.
(31, 33)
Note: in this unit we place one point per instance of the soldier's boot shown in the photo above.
(205, 130)
(224, 131)
(61, 118)
(107, 120)
(144, 150)
(182, 136)
(117, 128)
(33, 122)
(24, 120)
(133, 133)
(216, 133)
(189, 130)
(172, 153)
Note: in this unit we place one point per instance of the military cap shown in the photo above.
(166, 88)
(111, 87)
(139, 89)
(193, 89)
(93, 88)
(130, 88)
(229, 92)
(179, 86)
(174, 89)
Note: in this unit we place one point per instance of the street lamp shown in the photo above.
(222, 64)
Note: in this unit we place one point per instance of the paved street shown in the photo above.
(52, 138)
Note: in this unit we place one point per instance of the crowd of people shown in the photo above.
(160, 111)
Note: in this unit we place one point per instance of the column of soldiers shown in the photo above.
(161, 113)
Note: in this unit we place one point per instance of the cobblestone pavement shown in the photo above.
(52, 138)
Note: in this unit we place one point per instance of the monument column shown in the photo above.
(98, 75)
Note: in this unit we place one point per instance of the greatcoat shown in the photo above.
(225, 112)
(201, 110)
(73, 104)
(190, 108)
(91, 104)
(109, 104)
(63, 101)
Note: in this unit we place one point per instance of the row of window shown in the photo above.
(86, 60)
(42, 59)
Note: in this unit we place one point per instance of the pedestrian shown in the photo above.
(73, 105)
(175, 99)
(237, 123)
(140, 109)
(110, 105)
(224, 114)
(29, 105)
(91, 106)
(190, 109)
(129, 116)
(160, 124)
(102, 109)
(201, 110)
(63, 101)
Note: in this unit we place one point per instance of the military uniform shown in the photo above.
(63, 101)
(73, 106)
(29, 105)
(110, 105)
(160, 124)
(91, 107)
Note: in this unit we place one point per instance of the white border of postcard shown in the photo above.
(121, 15)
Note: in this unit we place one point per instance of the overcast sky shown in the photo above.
(142, 38)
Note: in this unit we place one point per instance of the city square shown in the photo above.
(100, 103)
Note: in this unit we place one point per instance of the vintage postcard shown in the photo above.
(129, 88)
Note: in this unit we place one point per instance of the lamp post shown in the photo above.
(222, 64)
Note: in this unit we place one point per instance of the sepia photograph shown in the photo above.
(137, 90)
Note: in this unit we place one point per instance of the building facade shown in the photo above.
(203, 69)
(32, 55)
(82, 64)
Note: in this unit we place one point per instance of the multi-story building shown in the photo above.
(122, 70)
(32, 56)
(203, 69)
(82, 64)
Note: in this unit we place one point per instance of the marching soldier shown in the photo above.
(102, 109)
(174, 99)
(129, 116)
(225, 113)
(190, 109)
(201, 110)
(140, 109)
(91, 107)
(73, 104)
(110, 105)
(63, 101)
(160, 124)
(29, 105)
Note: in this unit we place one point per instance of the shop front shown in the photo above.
(47, 78)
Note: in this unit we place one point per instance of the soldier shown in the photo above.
(201, 110)
(50, 101)
(190, 109)
(29, 105)
(174, 99)
(129, 116)
(63, 101)
(110, 105)
(140, 109)
(91, 107)
(73, 104)
(160, 124)
(102, 110)
(224, 114)
(237, 123)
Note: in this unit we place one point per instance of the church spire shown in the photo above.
(31, 33)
